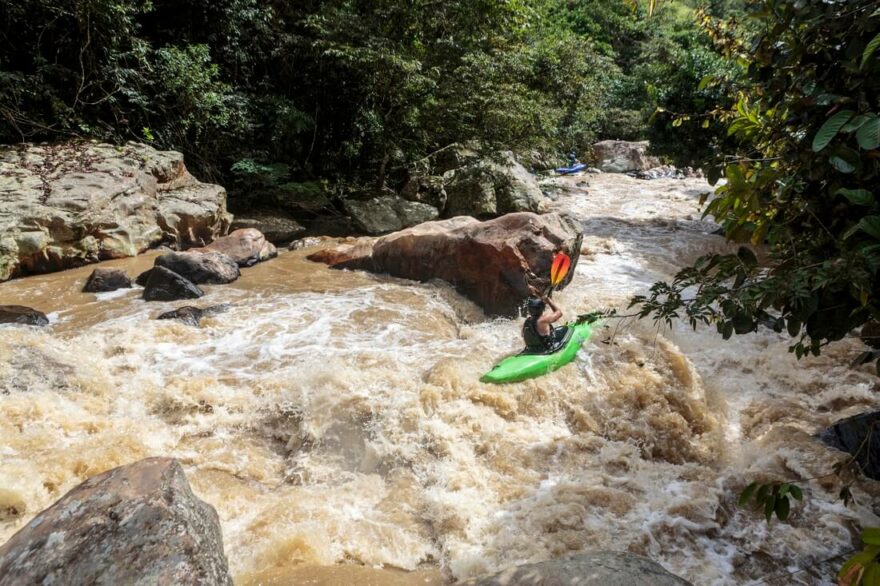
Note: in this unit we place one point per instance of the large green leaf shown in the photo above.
(861, 197)
(845, 160)
(869, 50)
(830, 129)
(868, 225)
(869, 134)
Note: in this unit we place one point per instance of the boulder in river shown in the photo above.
(212, 268)
(138, 524)
(19, 314)
(275, 226)
(388, 213)
(103, 280)
(191, 315)
(493, 263)
(246, 247)
(166, 285)
(603, 568)
(67, 205)
(849, 436)
(621, 156)
(492, 187)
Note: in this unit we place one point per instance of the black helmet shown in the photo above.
(535, 306)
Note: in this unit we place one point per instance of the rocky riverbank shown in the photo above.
(67, 205)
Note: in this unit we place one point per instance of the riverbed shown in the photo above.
(337, 418)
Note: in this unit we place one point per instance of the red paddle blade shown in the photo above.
(559, 269)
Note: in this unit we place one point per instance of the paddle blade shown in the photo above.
(559, 269)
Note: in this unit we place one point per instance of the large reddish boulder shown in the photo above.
(246, 247)
(494, 263)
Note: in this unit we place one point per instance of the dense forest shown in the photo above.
(296, 93)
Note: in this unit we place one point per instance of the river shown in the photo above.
(336, 417)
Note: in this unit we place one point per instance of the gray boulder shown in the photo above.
(491, 188)
(275, 226)
(621, 156)
(65, 205)
(211, 268)
(19, 314)
(425, 189)
(191, 315)
(166, 285)
(103, 280)
(604, 568)
(388, 214)
(138, 524)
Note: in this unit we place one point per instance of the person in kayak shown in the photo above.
(538, 332)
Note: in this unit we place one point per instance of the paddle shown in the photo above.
(558, 270)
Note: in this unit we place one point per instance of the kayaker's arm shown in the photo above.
(553, 317)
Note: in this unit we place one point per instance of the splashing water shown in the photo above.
(336, 417)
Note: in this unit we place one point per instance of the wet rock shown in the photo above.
(849, 434)
(141, 280)
(870, 334)
(103, 280)
(308, 242)
(212, 268)
(621, 156)
(246, 247)
(275, 226)
(166, 285)
(493, 263)
(661, 172)
(67, 205)
(137, 524)
(191, 315)
(19, 314)
(388, 213)
(492, 187)
(604, 568)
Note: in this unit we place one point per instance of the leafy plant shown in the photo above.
(863, 568)
(772, 499)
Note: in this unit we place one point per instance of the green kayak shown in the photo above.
(525, 365)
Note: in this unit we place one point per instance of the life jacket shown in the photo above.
(534, 340)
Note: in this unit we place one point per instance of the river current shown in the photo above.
(336, 422)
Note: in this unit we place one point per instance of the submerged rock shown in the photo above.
(136, 524)
(388, 213)
(67, 205)
(19, 314)
(166, 285)
(494, 263)
(212, 268)
(191, 315)
(103, 280)
(246, 247)
(849, 436)
(604, 568)
(621, 156)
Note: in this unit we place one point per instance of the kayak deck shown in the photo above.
(524, 366)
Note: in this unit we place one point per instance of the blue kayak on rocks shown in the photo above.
(572, 169)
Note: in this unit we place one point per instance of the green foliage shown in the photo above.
(863, 568)
(350, 91)
(771, 499)
(803, 181)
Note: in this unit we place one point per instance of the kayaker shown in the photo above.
(538, 331)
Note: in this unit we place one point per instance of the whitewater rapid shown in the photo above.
(336, 417)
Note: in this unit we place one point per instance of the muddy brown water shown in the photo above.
(336, 421)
